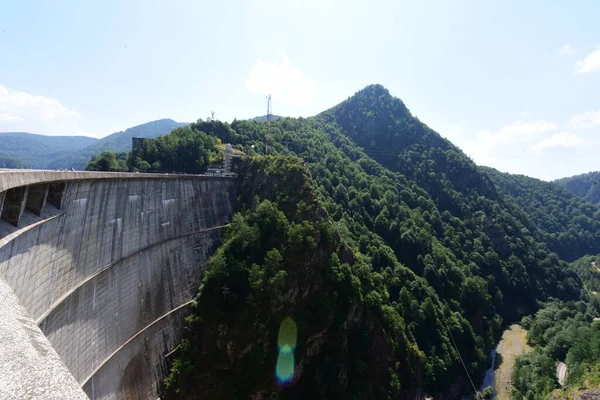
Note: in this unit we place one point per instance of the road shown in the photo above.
(595, 266)
(561, 373)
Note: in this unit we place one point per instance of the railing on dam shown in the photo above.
(105, 264)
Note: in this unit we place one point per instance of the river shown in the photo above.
(512, 345)
(490, 377)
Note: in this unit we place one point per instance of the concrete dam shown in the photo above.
(97, 272)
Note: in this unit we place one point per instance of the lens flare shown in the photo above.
(284, 370)
(285, 366)
(287, 334)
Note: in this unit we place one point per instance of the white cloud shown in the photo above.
(586, 120)
(8, 117)
(590, 63)
(562, 139)
(21, 111)
(566, 50)
(525, 113)
(480, 148)
(284, 81)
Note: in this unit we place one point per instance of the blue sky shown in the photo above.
(515, 84)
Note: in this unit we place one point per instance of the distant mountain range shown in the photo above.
(584, 185)
(28, 150)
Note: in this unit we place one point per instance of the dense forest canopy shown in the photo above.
(426, 256)
(588, 269)
(567, 223)
(48, 152)
(586, 186)
(12, 162)
(184, 150)
(566, 332)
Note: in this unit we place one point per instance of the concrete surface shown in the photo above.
(29, 366)
(109, 266)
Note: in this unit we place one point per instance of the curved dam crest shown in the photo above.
(103, 267)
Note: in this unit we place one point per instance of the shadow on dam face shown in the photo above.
(109, 274)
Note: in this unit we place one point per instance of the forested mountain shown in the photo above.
(40, 151)
(34, 150)
(566, 332)
(560, 332)
(567, 223)
(121, 141)
(184, 150)
(585, 185)
(426, 259)
(588, 269)
(12, 162)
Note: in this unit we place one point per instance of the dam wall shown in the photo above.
(106, 265)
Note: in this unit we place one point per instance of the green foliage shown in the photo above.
(417, 236)
(586, 186)
(568, 224)
(533, 376)
(108, 161)
(588, 269)
(185, 149)
(282, 256)
(561, 331)
(12, 162)
(35, 151)
(40, 151)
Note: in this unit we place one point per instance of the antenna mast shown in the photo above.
(212, 116)
(269, 116)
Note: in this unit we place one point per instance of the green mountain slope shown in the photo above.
(12, 162)
(588, 269)
(121, 141)
(585, 185)
(34, 149)
(40, 151)
(385, 129)
(116, 142)
(567, 223)
(436, 250)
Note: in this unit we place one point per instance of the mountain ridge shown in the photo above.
(585, 185)
(431, 250)
(47, 152)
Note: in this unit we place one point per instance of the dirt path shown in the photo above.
(595, 266)
(513, 344)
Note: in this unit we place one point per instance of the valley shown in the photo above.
(392, 265)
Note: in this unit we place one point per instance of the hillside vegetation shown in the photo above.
(376, 255)
(560, 331)
(48, 152)
(567, 223)
(36, 150)
(390, 262)
(185, 150)
(586, 186)
(12, 162)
